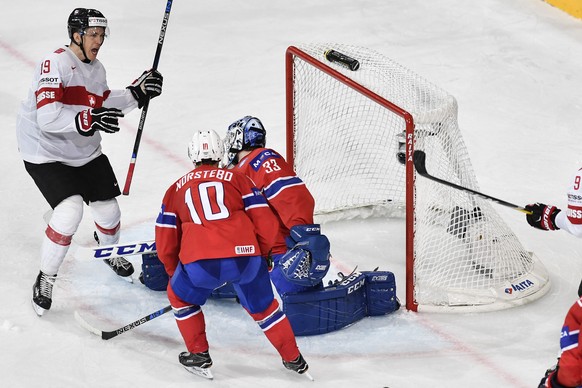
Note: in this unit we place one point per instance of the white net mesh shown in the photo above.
(345, 147)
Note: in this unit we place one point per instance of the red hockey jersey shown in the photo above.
(287, 194)
(212, 213)
(570, 370)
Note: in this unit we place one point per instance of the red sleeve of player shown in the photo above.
(570, 370)
(258, 210)
(168, 235)
(285, 191)
(294, 206)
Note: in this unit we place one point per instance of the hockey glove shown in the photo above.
(148, 85)
(299, 233)
(307, 261)
(550, 379)
(269, 260)
(543, 216)
(98, 119)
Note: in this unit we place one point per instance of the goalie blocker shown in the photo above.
(366, 293)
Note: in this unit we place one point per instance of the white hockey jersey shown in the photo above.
(62, 86)
(570, 219)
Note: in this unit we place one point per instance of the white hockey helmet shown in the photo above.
(205, 146)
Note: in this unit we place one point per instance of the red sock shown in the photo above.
(190, 321)
(277, 328)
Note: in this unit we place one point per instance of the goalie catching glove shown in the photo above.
(148, 85)
(98, 119)
(543, 216)
(307, 261)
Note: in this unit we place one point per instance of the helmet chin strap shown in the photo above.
(81, 46)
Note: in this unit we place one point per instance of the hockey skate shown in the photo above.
(197, 363)
(298, 365)
(119, 265)
(42, 293)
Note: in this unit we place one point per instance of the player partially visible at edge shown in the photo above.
(215, 227)
(59, 129)
(568, 371)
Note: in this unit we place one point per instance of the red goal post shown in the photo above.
(294, 52)
(460, 255)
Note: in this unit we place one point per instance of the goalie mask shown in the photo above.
(244, 134)
(205, 146)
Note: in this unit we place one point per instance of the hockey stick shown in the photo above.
(114, 333)
(146, 104)
(109, 251)
(117, 250)
(419, 164)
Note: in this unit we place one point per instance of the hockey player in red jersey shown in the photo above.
(301, 253)
(216, 227)
(58, 130)
(568, 372)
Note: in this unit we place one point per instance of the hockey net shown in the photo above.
(351, 136)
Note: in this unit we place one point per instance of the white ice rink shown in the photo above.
(515, 67)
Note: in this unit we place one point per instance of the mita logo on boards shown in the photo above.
(522, 286)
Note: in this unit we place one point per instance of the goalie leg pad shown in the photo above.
(326, 310)
(154, 274)
(380, 293)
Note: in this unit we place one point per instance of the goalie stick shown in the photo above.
(114, 333)
(146, 104)
(419, 163)
(118, 250)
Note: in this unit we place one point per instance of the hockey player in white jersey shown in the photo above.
(566, 373)
(58, 130)
(548, 217)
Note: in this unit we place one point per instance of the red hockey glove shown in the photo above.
(543, 216)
